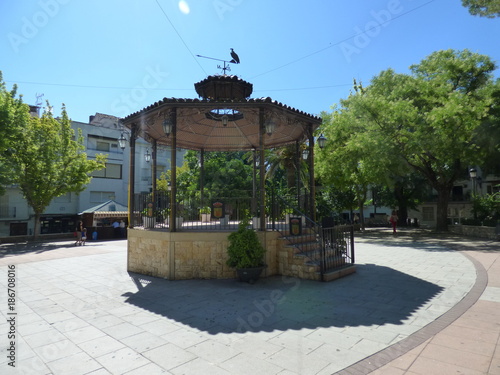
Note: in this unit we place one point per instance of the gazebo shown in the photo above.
(224, 118)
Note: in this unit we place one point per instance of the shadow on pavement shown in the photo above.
(35, 247)
(374, 295)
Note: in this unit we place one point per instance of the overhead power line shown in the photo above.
(342, 41)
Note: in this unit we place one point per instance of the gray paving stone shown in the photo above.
(143, 341)
(83, 334)
(122, 361)
(199, 366)
(122, 330)
(169, 356)
(213, 351)
(152, 369)
(43, 338)
(57, 350)
(103, 321)
(100, 346)
(75, 364)
(244, 364)
(184, 338)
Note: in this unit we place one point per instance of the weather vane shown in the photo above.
(234, 60)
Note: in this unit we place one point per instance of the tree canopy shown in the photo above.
(42, 155)
(483, 8)
(424, 122)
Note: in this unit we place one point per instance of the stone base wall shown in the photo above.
(189, 255)
(292, 265)
(476, 231)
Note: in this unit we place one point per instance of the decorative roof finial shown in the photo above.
(234, 60)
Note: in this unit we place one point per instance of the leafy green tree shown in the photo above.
(483, 8)
(14, 116)
(425, 121)
(227, 174)
(48, 161)
(354, 158)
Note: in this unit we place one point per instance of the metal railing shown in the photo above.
(326, 248)
(193, 213)
(337, 248)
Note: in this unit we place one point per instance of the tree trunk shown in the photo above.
(399, 193)
(361, 214)
(36, 230)
(442, 208)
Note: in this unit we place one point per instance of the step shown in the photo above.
(340, 272)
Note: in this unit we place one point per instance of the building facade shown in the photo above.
(100, 136)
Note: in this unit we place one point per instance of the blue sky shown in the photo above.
(117, 57)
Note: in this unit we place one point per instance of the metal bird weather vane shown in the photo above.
(235, 59)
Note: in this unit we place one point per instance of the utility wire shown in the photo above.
(160, 88)
(91, 86)
(261, 74)
(180, 37)
(342, 41)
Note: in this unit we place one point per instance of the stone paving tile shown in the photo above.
(100, 346)
(256, 347)
(83, 334)
(122, 361)
(143, 341)
(122, 330)
(473, 361)
(57, 350)
(199, 366)
(75, 364)
(105, 320)
(212, 351)
(43, 338)
(168, 356)
(28, 366)
(244, 364)
(184, 338)
(152, 369)
(100, 371)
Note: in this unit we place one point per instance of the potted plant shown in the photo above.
(245, 252)
(205, 213)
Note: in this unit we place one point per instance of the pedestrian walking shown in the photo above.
(79, 231)
(394, 221)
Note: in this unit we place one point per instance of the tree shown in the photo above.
(48, 162)
(354, 158)
(425, 121)
(14, 116)
(483, 8)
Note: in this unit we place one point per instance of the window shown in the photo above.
(110, 171)
(428, 213)
(101, 196)
(103, 144)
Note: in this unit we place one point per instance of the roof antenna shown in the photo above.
(226, 68)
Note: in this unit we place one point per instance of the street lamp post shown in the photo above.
(473, 176)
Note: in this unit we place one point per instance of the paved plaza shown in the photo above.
(418, 304)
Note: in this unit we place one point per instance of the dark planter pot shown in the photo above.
(249, 275)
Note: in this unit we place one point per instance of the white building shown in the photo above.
(100, 136)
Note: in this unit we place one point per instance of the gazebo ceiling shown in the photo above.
(200, 125)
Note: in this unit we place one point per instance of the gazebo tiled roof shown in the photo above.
(199, 125)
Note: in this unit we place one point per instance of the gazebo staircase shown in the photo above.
(318, 253)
